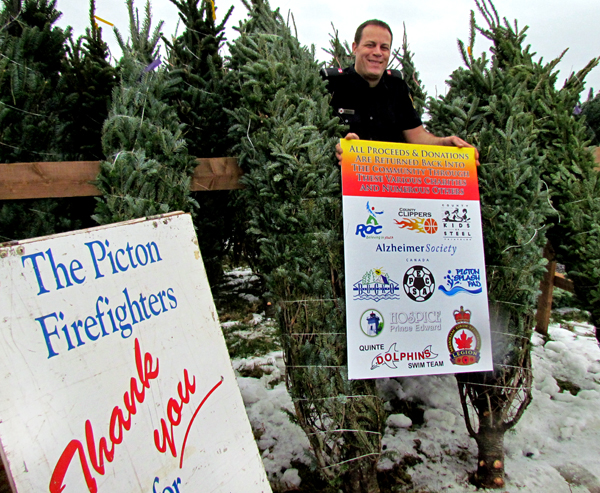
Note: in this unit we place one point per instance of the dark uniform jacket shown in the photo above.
(379, 113)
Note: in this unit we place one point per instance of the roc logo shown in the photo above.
(462, 281)
(419, 283)
(464, 342)
(371, 323)
(372, 226)
(426, 225)
(376, 285)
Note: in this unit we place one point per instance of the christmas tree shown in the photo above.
(147, 169)
(534, 172)
(32, 101)
(286, 137)
(88, 80)
(200, 99)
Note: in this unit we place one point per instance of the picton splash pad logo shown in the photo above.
(462, 281)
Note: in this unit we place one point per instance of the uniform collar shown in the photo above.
(381, 84)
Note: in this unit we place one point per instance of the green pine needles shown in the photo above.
(286, 137)
(536, 182)
(148, 168)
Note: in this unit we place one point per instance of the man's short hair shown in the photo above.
(372, 22)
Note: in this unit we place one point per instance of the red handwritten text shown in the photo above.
(146, 371)
(174, 416)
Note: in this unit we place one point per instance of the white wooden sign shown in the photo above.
(114, 374)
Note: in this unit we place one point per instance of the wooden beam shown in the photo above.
(560, 281)
(48, 180)
(544, 308)
(42, 180)
(216, 174)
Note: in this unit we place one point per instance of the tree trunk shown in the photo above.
(490, 463)
(362, 477)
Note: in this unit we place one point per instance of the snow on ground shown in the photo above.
(554, 448)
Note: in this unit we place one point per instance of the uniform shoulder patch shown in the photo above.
(331, 72)
(396, 74)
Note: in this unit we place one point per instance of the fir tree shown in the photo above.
(148, 168)
(340, 52)
(404, 57)
(88, 80)
(531, 148)
(32, 55)
(590, 110)
(200, 99)
(286, 138)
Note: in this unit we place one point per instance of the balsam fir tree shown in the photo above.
(404, 57)
(286, 136)
(340, 52)
(147, 169)
(508, 107)
(590, 110)
(88, 80)
(200, 101)
(32, 54)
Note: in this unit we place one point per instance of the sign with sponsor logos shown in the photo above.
(115, 373)
(416, 295)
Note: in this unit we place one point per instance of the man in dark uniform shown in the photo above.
(374, 100)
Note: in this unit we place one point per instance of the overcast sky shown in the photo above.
(433, 27)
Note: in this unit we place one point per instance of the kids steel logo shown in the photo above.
(417, 221)
(464, 342)
(456, 222)
(372, 226)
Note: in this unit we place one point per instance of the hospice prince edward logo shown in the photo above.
(371, 226)
(416, 221)
(456, 222)
(371, 323)
(464, 342)
(376, 285)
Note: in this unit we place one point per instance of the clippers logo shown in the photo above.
(420, 225)
(376, 285)
(371, 323)
(418, 221)
(464, 342)
(372, 226)
(456, 222)
(393, 356)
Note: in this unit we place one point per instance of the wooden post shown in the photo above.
(547, 287)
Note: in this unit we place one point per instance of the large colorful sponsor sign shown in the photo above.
(115, 373)
(415, 272)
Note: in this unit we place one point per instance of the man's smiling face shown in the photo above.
(372, 53)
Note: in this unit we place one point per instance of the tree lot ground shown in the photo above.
(553, 449)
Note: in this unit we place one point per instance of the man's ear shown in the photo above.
(354, 46)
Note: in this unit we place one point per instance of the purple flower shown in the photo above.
(577, 110)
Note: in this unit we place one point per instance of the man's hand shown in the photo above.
(338, 147)
(421, 136)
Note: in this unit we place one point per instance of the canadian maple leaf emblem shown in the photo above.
(463, 342)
